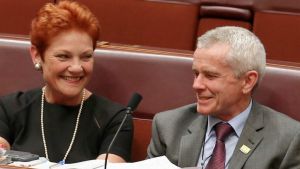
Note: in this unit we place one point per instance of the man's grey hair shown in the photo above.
(246, 52)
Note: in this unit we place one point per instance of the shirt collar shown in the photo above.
(237, 123)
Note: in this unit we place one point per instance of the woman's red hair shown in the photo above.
(53, 19)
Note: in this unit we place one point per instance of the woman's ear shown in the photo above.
(35, 56)
(250, 80)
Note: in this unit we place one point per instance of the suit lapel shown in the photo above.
(250, 138)
(191, 143)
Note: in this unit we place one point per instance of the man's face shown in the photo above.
(219, 93)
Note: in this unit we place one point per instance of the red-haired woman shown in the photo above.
(64, 121)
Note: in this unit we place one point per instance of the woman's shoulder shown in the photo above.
(20, 99)
(104, 106)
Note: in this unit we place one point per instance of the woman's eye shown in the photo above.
(87, 56)
(62, 56)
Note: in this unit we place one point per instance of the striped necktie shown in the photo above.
(217, 161)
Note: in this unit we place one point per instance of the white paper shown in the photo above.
(153, 163)
(41, 163)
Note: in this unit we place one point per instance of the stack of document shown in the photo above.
(154, 163)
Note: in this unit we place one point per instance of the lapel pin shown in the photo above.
(245, 149)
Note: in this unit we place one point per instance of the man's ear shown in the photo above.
(35, 55)
(250, 80)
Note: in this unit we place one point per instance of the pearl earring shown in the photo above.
(37, 66)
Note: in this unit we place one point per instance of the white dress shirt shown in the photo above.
(237, 123)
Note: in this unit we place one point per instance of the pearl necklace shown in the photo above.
(75, 130)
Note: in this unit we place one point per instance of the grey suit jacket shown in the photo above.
(274, 139)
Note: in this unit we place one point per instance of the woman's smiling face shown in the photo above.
(67, 65)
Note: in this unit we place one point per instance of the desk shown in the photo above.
(11, 167)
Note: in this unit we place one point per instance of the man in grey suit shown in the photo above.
(228, 64)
